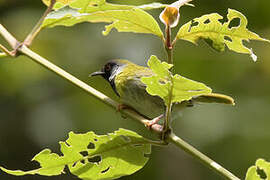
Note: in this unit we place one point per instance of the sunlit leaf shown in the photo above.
(91, 156)
(124, 18)
(90, 3)
(260, 171)
(217, 34)
(163, 82)
(58, 3)
(152, 6)
(48, 2)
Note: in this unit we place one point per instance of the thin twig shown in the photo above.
(5, 52)
(37, 28)
(8, 37)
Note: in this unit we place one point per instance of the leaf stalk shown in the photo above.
(169, 50)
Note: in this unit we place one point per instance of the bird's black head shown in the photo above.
(110, 70)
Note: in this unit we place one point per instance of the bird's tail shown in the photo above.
(214, 98)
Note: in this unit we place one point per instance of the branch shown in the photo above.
(201, 157)
(8, 37)
(31, 36)
(5, 52)
(132, 114)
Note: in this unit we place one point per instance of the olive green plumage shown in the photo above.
(124, 78)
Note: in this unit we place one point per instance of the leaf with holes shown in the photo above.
(163, 83)
(91, 156)
(124, 18)
(260, 171)
(217, 35)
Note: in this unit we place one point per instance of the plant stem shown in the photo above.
(168, 44)
(132, 114)
(37, 28)
(201, 157)
(5, 51)
(168, 47)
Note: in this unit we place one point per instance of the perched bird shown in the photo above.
(124, 77)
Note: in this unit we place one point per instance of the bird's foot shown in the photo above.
(154, 121)
(122, 106)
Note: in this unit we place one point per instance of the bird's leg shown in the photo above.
(122, 106)
(150, 123)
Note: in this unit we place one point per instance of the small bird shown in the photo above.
(125, 79)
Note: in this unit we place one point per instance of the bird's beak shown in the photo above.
(98, 73)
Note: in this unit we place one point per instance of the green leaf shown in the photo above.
(217, 35)
(91, 156)
(90, 3)
(152, 6)
(260, 171)
(47, 2)
(163, 82)
(124, 18)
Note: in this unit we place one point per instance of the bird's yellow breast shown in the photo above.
(131, 72)
(133, 93)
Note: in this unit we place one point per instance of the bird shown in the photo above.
(125, 80)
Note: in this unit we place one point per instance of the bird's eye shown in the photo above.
(108, 68)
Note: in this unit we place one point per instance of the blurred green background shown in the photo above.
(38, 108)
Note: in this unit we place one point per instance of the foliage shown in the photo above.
(91, 156)
(261, 170)
(217, 35)
(122, 17)
(127, 18)
(163, 83)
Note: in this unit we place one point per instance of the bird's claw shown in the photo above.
(121, 107)
(154, 121)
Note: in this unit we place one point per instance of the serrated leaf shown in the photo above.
(217, 35)
(163, 82)
(260, 171)
(124, 18)
(91, 156)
